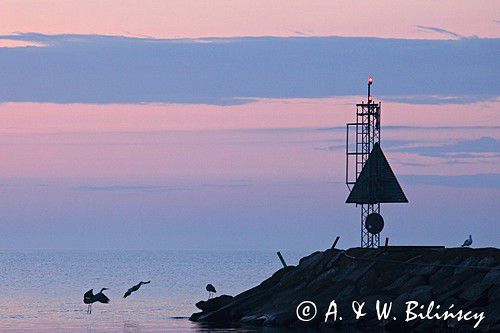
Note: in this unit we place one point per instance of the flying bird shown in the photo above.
(468, 242)
(89, 298)
(134, 288)
(211, 290)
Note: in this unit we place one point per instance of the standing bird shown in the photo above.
(468, 242)
(134, 288)
(89, 298)
(211, 290)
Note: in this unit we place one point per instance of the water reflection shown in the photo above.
(42, 289)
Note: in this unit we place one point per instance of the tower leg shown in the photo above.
(369, 240)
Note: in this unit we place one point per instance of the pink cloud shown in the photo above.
(263, 113)
(222, 18)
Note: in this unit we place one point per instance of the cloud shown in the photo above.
(413, 164)
(478, 180)
(440, 100)
(483, 147)
(156, 188)
(440, 31)
(331, 148)
(130, 188)
(225, 71)
(304, 33)
(387, 143)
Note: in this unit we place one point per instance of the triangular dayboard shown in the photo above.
(376, 183)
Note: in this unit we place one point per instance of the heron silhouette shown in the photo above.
(89, 298)
(211, 290)
(134, 288)
(468, 242)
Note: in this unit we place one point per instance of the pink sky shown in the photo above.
(58, 159)
(263, 113)
(217, 18)
(178, 141)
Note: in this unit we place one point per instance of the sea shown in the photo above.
(42, 290)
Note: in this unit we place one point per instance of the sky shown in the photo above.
(221, 124)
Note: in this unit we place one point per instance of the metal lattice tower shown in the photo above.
(367, 134)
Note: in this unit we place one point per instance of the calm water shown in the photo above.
(42, 290)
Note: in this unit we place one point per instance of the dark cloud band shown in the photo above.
(221, 71)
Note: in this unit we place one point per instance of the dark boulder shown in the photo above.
(210, 306)
(214, 303)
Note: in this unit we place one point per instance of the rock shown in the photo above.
(385, 278)
(492, 313)
(345, 292)
(397, 283)
(196, 316)
(399, 305)
(422, 294)
(470, 261)
(333, 260)
(494, 294)
(359, 272)
(322, 280)
(215, 303)
(310, 258)
(473, 292)
(256, 320)
(440, 276)
(492, 277)
(426, 270)
(486, 262)
(414, 281)
(397, 275)
(447, 296)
